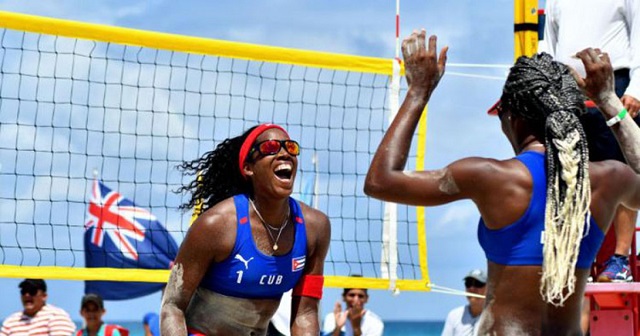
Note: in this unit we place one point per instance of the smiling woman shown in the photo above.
(266, 243)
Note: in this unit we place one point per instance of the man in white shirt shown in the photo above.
(354, 320)
(461, 321)
(614, 27)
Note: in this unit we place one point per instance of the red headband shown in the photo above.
(251, 138)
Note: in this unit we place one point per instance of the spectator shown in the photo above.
(461, 321)
(355, 319)
(613, 27)
(151, 322)
(92, 310)
(38, 317)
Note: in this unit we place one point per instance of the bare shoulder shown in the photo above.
(314, 218)
(318, 227)
(219, 222)
(479, 171)
(218, 218)
(610, 174)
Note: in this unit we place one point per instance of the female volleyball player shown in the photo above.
(252, 243)
(543, 212)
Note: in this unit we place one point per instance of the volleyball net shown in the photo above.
(81, 103)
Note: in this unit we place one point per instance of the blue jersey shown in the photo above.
(520, 243)
(249, 273)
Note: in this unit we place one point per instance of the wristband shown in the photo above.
(309, 285)
(617, 118)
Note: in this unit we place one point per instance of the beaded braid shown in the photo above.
(219, 173)
(544, 93)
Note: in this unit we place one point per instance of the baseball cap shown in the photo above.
(33, 284)
(477, 274)
(92, 298)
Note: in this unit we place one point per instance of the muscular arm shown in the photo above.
(386, 178)
(194, 257)
(304, 310)
(626, 131)
(599, 86)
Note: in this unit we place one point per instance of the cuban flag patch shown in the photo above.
(297, 264)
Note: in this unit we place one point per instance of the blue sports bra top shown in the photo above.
(521, 243)
(249, 273)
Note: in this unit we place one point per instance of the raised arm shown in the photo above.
(386, 178)
(194, 257)
(599, 87)
(306, 295)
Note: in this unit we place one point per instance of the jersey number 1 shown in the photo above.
(239, 276)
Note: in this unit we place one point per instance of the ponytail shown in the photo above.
(567, 206)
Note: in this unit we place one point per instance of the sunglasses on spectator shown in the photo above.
(470, 282)
(30, 291)
(272, 147)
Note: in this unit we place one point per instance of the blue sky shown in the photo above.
(476, 32)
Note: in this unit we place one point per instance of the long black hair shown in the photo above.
(544, 94)
(217, 174)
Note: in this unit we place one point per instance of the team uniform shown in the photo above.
(520, 243)
(248, 273)
(50, 321)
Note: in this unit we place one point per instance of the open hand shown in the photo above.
(339, 315)
(355, 315)
(423, 67)
(599, 83)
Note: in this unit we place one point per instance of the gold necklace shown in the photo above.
(267, 226)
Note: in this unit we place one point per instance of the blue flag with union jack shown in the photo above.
(118, 234)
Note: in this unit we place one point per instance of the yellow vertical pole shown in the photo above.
(525, 27)
(420, 211)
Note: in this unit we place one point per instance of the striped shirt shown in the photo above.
(49, 321)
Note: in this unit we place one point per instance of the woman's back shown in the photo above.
(514, 290)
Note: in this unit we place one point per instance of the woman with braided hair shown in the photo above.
(543, 213)
(252, 242)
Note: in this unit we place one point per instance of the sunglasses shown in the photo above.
(30, 291)
(468, 283)
(272, 147)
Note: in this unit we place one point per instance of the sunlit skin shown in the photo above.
(198, 251)
(514, 305)
(33, 303)
(92, 315)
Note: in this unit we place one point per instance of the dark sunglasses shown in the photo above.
(272, 147)
(468, 283)
(30, 291)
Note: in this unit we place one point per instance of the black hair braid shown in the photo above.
(545, 94)
(537, 87)
(565, 126)
(219, 172)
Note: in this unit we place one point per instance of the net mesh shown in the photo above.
(73, 110)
